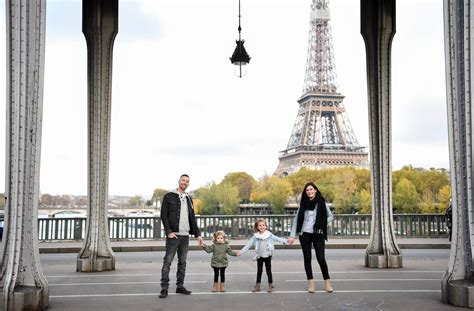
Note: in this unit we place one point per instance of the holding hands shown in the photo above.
(291, 241)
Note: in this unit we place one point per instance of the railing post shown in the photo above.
(78, 229)
(157, 228)
(235, 229)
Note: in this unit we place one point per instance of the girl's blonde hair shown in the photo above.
(255, 225)
(218, 233)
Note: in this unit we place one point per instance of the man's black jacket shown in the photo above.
(170, 211)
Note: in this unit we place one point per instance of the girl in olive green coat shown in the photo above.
(219, 249)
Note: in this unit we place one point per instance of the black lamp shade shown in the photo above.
(240, 54)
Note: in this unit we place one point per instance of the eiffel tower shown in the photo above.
(322, 135)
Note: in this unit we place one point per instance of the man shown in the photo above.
(177, 215)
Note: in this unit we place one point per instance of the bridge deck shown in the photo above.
(136, 282)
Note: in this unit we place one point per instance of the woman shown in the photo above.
(311, 223)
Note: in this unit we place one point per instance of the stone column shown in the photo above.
(24, 286)
(457, 284)
(100, 26)
(378, 29)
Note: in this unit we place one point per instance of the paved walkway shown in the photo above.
(135, 283)
(159, 245)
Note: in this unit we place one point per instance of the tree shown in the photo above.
(433, 181)
(444, 196)
(46, 200)
(56, 200)
(344, 197)
(364, 201)
(423, 180)
(427, 204)
(81, 201)
(208, 196)
(243, 182)
(405, 197)
(273, 190)
(228, 198)
(197, 206)
(66, 200)
(135, 201)
(362, 179)
(158, 195)
(218, 199)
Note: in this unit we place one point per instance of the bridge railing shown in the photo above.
(241, 226)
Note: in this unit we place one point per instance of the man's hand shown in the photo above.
(291, 241)
(200, 240)
(172, 235)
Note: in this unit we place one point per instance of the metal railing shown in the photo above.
(241, 226)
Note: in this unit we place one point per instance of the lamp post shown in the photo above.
(240, 58)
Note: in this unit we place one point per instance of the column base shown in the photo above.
(459, 293)
(381, 261)
(100, 264)
(28, 298)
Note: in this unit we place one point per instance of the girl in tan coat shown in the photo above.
(219, 249)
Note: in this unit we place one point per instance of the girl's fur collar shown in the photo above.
(263, 236)
(226, 242)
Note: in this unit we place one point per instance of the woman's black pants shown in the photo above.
(316, 240)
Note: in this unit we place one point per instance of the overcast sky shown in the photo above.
(177, 107)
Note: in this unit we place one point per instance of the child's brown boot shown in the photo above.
(221, 287)
(214, 288)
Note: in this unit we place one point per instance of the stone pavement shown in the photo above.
(135, 283)
(159, 245)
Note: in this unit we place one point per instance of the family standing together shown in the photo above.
(179, 222)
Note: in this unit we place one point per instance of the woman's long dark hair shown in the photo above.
(304, 197)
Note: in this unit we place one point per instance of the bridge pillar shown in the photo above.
(378, 29)
(100, 26)
(458, 281)
(24, 286)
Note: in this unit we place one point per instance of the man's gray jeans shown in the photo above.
(179, 244)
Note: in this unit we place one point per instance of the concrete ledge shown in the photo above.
(137, 248)
(425, 246)
(159, 245)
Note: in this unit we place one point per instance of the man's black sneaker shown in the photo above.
(163, 293)
(182, 290)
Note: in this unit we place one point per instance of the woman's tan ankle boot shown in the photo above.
(311, 286)
(256, 288)
(214, 287)
(222, 288)
(270, 287)
(328, 286)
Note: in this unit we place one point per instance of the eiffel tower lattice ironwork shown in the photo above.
(322, 135)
